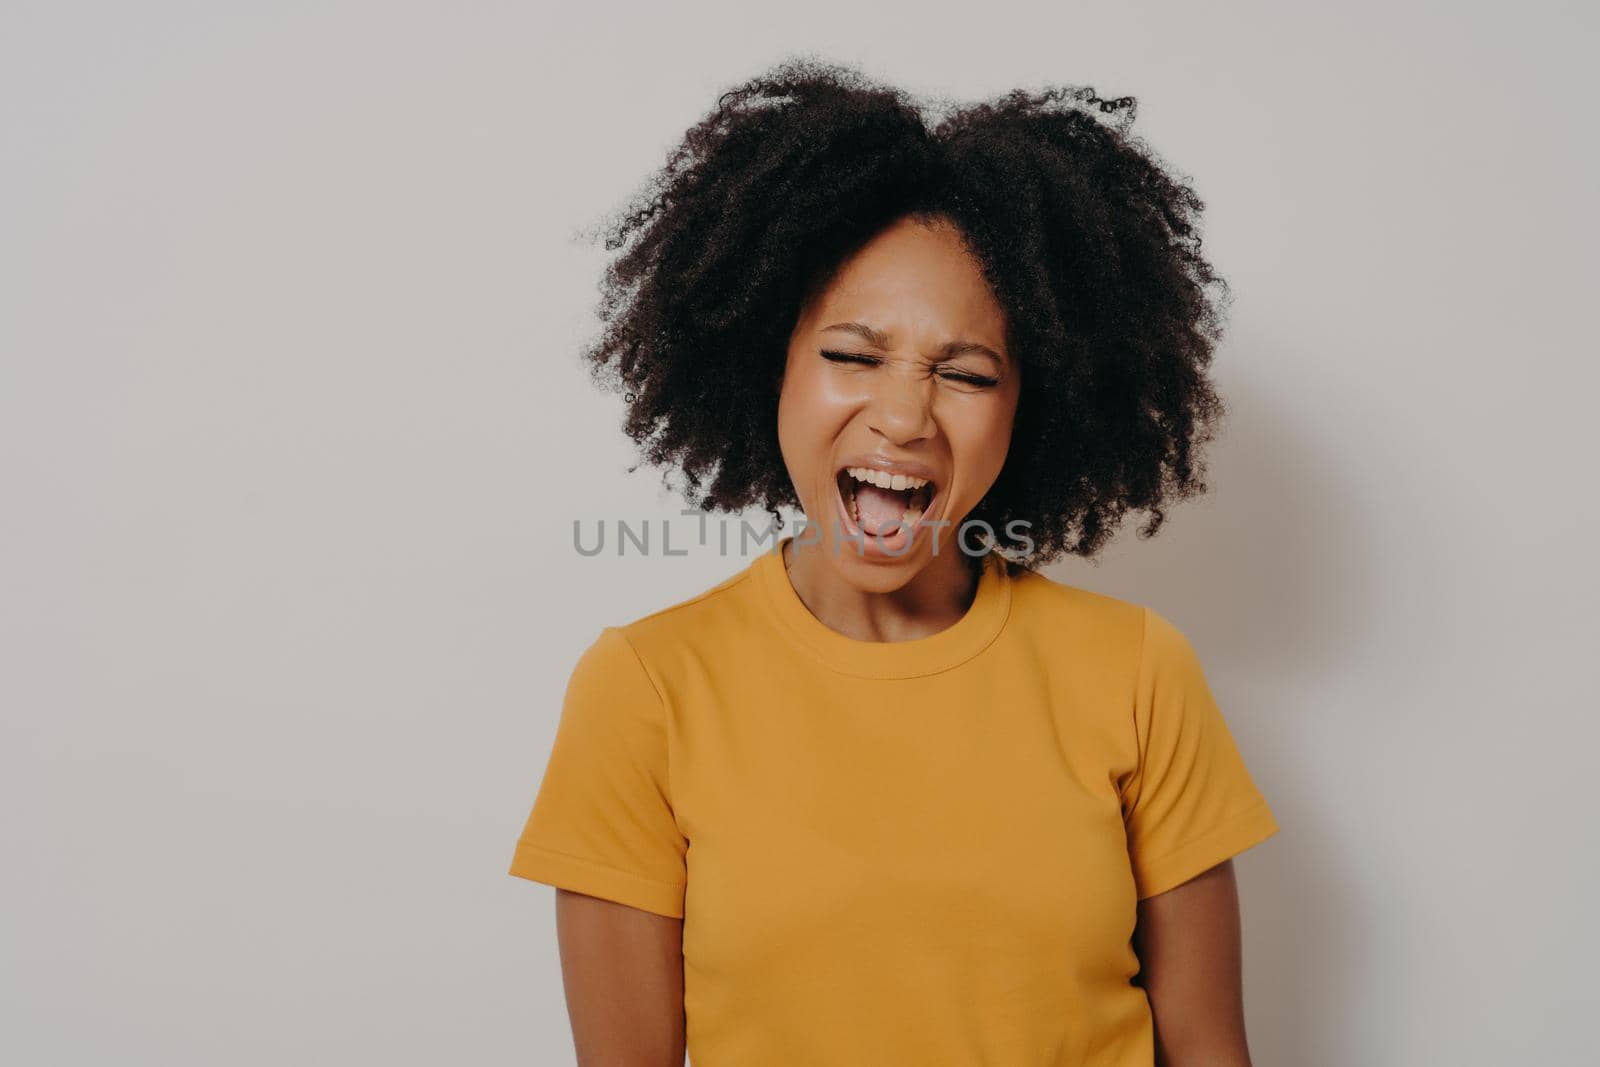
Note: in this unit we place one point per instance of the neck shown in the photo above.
(934, 599)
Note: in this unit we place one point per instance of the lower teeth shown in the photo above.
(908, 518)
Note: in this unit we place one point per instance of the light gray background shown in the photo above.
(292, 434)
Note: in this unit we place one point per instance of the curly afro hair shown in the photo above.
(1090, 245)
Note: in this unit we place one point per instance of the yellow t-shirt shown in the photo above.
(921, 853)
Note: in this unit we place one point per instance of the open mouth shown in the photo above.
(880, 504)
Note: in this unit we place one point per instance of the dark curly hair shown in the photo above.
(1090, 245)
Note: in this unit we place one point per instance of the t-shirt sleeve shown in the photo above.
(1191, 802)
(602, 823)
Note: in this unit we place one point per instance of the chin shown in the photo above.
(872, 574)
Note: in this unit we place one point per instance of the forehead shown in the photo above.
(917, 284)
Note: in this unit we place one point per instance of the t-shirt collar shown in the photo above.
(950, 647)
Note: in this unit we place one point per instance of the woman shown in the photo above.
(888, 795)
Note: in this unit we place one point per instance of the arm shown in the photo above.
(623, 973)
(1187, 940)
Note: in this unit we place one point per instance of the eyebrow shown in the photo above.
(949, 350)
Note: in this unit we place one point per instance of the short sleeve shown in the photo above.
(1191, 802)
(602, 823)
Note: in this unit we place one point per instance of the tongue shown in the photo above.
(879, 507)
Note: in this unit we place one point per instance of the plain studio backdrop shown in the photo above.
(293, 433)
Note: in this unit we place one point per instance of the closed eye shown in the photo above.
(978, 380)
(847, 357)
(971, 379)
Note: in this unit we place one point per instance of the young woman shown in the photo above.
(888, 795)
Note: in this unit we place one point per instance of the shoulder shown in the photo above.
(1071, 617)
(705, 622)
(637, 661)
(1043, 600)
(1098, 631)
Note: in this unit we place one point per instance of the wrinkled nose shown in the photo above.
(901, 409)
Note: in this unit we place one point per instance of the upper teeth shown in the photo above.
(885, 480)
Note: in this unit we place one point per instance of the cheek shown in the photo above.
(810, 412)
(794, 427)
(981, 439)
(805, 428)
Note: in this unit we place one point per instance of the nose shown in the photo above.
(902, 408)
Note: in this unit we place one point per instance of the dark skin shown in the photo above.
(930, 382)
(623, 973)
(1188, 944)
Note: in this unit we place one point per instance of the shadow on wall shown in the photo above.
(1265, 575)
